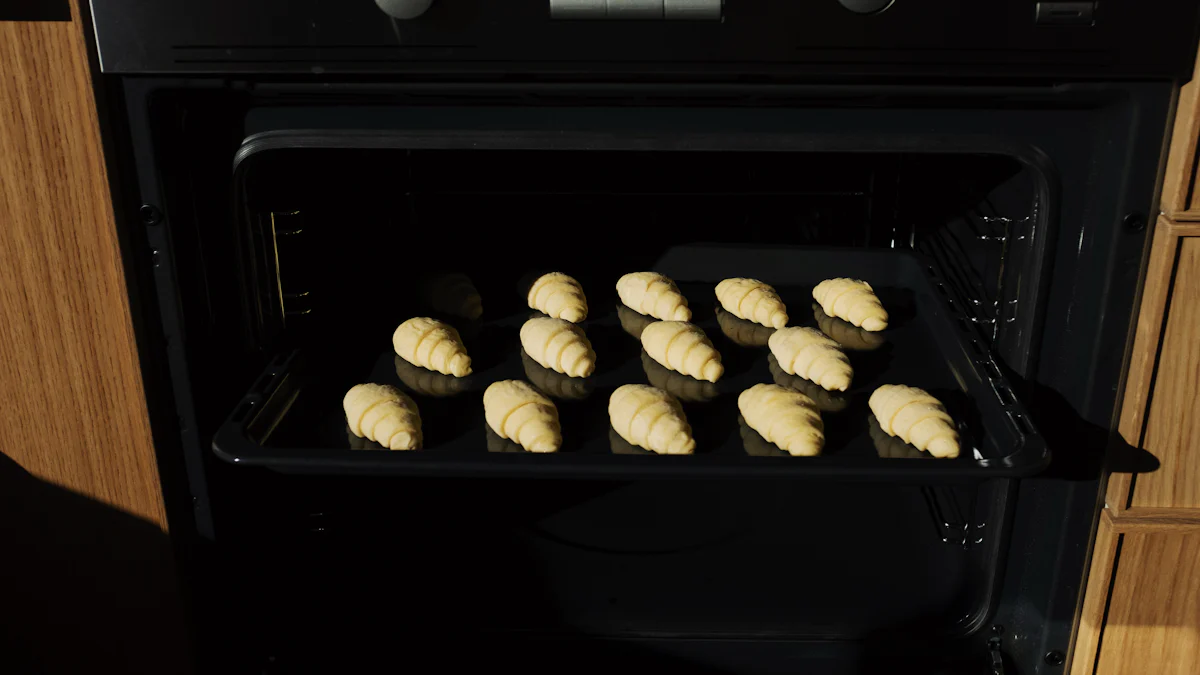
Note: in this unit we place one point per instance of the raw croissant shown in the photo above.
(632, 322)
(428, 383)
(454, 294)
(754, 443)
(826, 401)
(555, 385)
(807, 352)
(846, 334)
(743, 333)
(784, 417)
(681, 387)
(752, 300)
(916, 417)
(684, 348)
(431, 344)
(650, 418)
(653, 294)
(559, 296)
(852, 300)
(620, 446)
(890, 446)
(558, 345)
(497, 444)
(383, 414)
(518, 412)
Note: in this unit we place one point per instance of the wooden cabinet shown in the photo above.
(1141, 610)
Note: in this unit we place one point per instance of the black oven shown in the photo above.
(288, 173)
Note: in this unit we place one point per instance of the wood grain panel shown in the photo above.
(1172, 425)
(1177, 191)
(73, 408)
(1091, 618)
(1154, 615)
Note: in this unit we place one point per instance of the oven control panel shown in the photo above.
(686, 39)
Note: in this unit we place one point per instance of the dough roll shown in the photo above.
(383, 414)
(518, 412)
(559, 296)
(741, 332)
(845, 333)
(784, 417)
(428, 383)
(650, 418)
(653, 294)
(680, 386)
(684, 348)
(431, 344)
(852, 300)
(752, 300)
(807, 352)
(916, 417)
(558, 345)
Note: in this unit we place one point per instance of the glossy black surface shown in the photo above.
(297, 423)
(816, 39)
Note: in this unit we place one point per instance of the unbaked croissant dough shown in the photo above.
(827, 401)
(755, 444)
(650, 418)
(497, 444)
(752, 300)
(633, 322)
(454, 294)
(431, 344)
(620, 446)
(684, 348)
(917, 417)
(847, 334)
(653, 294)
(559, 345)
(891, 446)
(784, 417)
(518, 412)
(680, 386)
(552, 384)
(807, 352)
(559, 296)
(428, 383)
(852, 300)
(383, 414)
(742, 332)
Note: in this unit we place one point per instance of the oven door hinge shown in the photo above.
(997, 658)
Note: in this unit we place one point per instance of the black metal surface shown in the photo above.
(819, 39)
(293, 420)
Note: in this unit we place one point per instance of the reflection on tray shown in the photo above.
(741, 332)
(827, 401)
(755, 444)
(847, 334)
(497, 444)
(427, 382)
(620, 446)
(453, 294)
(632, 322)
(680, 386)
(891, 446)
(357, 443)
(555, 385)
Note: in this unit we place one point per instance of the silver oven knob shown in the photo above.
(866, 6)
(404, 9)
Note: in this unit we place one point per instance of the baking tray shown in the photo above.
(292, 419)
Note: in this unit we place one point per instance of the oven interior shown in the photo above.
(314, 243)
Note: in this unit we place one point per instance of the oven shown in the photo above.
(293, 178)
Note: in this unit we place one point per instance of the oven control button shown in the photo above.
(692, 10)
(404, 9)
(866, 6)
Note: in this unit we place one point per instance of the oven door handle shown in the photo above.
(642, 10)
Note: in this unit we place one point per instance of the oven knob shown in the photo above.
(404, 9)
(866, 6)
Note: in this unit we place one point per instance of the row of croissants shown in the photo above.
(647, 416)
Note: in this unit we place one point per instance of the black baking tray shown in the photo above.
(292, 419)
